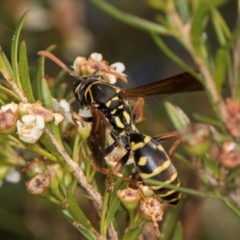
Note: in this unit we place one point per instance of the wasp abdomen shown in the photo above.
(153, 163)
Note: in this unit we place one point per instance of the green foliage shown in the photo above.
(66, 157)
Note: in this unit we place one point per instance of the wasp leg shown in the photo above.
(167, 136)
(76, 117)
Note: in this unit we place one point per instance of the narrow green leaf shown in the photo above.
(5, 66)
(130, 19)
(220, 26)
(87, 233)
(8, 92)
(43, 92)
(170, 221)
(14, 48)
(198, 24)
(159, 5)
(133, 234)
(114, 200)
(183, 8)
(76, 211)
(24, 73)
(178, 233)
(205, 119)
(178, 117)
(44, 95)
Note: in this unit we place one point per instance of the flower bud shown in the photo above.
(13, 106)
(96, 65)
(230, 155)
(151, 208)
(30, 128)
(35, 167)
(37, 109)
(129, 198)
(147, 191)
(8, 121)
(196, 139)
(13, 176)
(38, 184)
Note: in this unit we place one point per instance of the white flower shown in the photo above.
(30, 128)
(13, 176)
(13, 106)
(118, 67)
(85, 112)
(64, 108)
(96, 56)
(64, 105)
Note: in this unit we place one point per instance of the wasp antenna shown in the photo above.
(58, 62)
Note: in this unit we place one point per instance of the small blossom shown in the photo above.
(13, 176)
(230, 155)
(233, 106)
(23, 108)
(96, 56)
(13, 106)
(196, 139)
(8, 121)
(118, 67)
(30, 128)
(151, 208)
(147, 191)
(129, 198)
(58, 117)
(63, 107)
(38, 184)
(95, 65)
(233, 125)
(38, 166)
(37, 109)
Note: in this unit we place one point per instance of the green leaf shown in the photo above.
(5, 66)
(220, 26)
(43, 92)
(198, 24)
(133, 233)
(205, 119)
(159, 5)
(183, 8)
(178, 233)
(114, 200)
(170, 222)
(130, 19)
(14, 48)
(76, 211)
(178, 117)
(87, 233)
(44, 95)
(8, 92)
(24, 73)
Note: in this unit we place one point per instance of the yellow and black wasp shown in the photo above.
(109, 103)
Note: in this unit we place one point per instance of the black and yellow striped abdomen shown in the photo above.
(153, 163)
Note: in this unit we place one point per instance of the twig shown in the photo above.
(185, 32)
(14, 86)
(77, 171)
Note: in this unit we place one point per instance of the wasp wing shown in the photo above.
(137, 113)
(97, 137)
(183, 82)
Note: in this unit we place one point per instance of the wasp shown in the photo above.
(108, 103)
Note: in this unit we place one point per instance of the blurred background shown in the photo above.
(77, 28)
